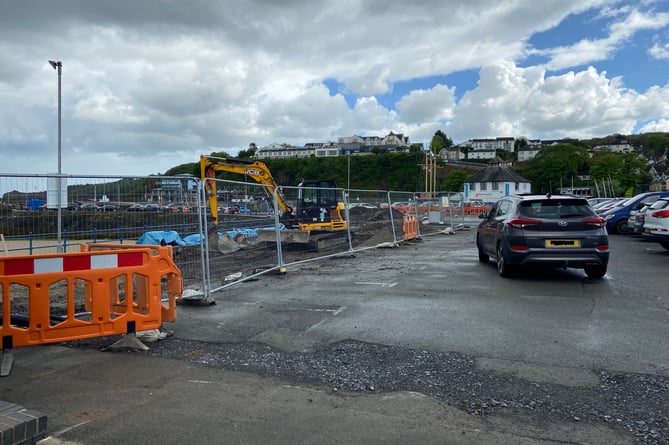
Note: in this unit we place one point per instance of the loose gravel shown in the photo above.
(635, 403)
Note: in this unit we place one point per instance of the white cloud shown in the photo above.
(588, 51)
(436, 104)
(659, 51)
(512, 101)
(147, 85)
(661, 125)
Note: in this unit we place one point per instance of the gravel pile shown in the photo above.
(632, 402)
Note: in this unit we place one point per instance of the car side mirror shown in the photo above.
(483, 216)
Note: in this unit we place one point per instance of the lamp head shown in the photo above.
(54, 64)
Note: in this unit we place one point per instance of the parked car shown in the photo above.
(136, 208)
(364, 205)
(151, 207)
(637, 218)
(71, 206)
(403, 206)
(606, 205)
(594, 201)
(174, 207)
(656, 224)
(556, 231)
(235, 209)
(89, 207)
(475, 203)
(617, 217)
(107, 208)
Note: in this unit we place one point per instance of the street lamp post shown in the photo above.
(58, 65)
(348, 170)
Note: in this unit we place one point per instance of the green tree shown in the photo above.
(454, 181)
(248, 153)
(553, 166)
(626, 172)
(440, 141)
(655, 145)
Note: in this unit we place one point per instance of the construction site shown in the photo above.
(208, 234)
(195, 310)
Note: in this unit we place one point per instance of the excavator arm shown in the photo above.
(256, 170)
(317, 207)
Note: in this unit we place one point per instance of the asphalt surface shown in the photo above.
(415, 344)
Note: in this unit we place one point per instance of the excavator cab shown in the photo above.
(315, 201)
(318, 206)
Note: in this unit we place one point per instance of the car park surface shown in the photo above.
(415, 344)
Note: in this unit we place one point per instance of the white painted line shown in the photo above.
(339, 311)
(377, 284)
(333, 311)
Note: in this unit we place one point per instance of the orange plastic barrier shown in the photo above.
(410, 227)
(477, 210)
(94, 293)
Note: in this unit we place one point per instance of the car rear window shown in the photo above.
(555, 208)
(660, 203)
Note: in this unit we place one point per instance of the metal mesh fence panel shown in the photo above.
(373, 222)
(248, 237)
(102, 209)
(240, 243)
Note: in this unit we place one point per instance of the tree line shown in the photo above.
(566, 163)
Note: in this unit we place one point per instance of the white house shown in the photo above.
(495, 182)
(616, 147)
(279, 151)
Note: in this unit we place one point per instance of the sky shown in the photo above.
(150, 85)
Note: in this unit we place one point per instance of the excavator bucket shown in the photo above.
(222, 244)
(287, 236)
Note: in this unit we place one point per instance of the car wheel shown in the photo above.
(595, 271)
(503, 268)
(622, 227)
(483, 257)
(665, 244)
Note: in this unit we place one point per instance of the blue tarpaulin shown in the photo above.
(162, 238)
(193, 239)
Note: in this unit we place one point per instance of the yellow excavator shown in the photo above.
(317, 208)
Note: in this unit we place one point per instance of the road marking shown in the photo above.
(376, 284)
(70, 428)
(333, 311)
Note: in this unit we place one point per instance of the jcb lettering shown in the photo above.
(253, 172)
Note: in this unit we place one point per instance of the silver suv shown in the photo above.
(556, 231)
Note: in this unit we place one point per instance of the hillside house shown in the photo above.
(495, 182)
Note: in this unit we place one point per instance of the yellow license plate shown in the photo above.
(562, 243)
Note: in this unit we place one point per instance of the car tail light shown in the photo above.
(661, 214)
(519, 248)
(598, 221)
(520, 223)
(602, 248)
